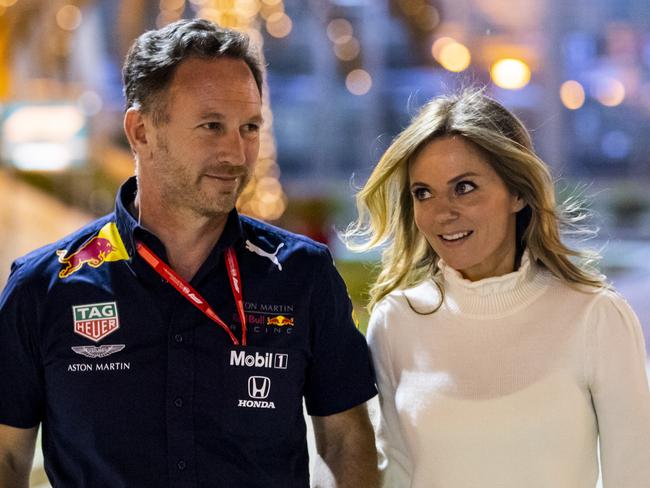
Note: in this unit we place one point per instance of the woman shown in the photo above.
(501, 356)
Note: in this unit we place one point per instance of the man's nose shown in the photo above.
(231, 148)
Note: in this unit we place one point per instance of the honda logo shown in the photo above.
(259, 387)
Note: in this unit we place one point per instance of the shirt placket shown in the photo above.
(180, 397)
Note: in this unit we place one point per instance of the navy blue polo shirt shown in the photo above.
(136, 387)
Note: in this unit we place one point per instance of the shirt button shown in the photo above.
(178, 402)
(181, 465)
(178, 338)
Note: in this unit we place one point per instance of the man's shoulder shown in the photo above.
(256, 231)
(47, 260)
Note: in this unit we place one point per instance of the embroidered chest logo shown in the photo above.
(98, 351)
(259, 388)
(106, 246)
(279, 320)
(96, 320)
(273, 257)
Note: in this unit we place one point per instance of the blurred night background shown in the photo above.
(344, 76)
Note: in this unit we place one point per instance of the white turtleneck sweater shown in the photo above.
(510, 384)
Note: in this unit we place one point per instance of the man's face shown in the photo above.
(203, 154)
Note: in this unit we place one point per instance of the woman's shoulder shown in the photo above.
(609, 307)
(422, 298)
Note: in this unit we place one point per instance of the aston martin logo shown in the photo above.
(98, 351)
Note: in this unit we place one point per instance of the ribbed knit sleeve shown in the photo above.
(615, 371)
(393, 458)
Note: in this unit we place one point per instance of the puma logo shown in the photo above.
(261, 252)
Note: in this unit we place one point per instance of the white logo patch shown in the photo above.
(257, 360)
(261, 252)
(259, 388)
(98, 352)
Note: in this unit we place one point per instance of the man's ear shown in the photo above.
(135, 129)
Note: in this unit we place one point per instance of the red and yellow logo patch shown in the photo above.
(279, 320)
(106, 246)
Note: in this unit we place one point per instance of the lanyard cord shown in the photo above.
(194, 297)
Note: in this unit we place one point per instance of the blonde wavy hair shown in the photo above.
(385, 204)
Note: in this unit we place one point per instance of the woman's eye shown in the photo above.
(421, 193)
(463, 187)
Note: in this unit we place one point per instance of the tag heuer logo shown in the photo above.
(96, 320)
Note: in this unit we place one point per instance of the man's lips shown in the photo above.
(223, 177)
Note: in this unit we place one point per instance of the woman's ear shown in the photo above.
(518, 203)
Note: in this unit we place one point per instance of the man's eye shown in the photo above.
(421, 194)
(463, 187)
(252, 128)
(212, 125)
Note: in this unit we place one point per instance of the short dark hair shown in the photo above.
(152, 60)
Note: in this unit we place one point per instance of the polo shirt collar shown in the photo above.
(131, 231)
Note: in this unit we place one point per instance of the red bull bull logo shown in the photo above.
(105, 246)
(279, 320)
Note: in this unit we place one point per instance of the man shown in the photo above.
(171, 342)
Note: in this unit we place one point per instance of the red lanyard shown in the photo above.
(193, 296)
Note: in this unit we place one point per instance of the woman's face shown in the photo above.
(464, 209)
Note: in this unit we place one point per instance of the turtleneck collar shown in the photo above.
(498, 295)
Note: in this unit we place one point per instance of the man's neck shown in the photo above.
(188, 238)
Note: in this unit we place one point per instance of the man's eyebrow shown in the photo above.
(258, 119)
(213, 115)
(219, 116)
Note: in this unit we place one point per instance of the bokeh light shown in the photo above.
(438, 44)
(339, 31)
(454, 56)
(248, 8)
(572, 94)
(266, 11)
(609, 91)
(279, 25)
(427, 18)
(410, 7)
(68, 17)
(347, 51)
(358, 82)
(511, 74)
(7, 3)
(90, 103)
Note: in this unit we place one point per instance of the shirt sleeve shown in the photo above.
(21, 392)
(394, 463)
(619, 389)
(340, 375)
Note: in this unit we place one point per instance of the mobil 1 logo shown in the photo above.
(272, 360)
